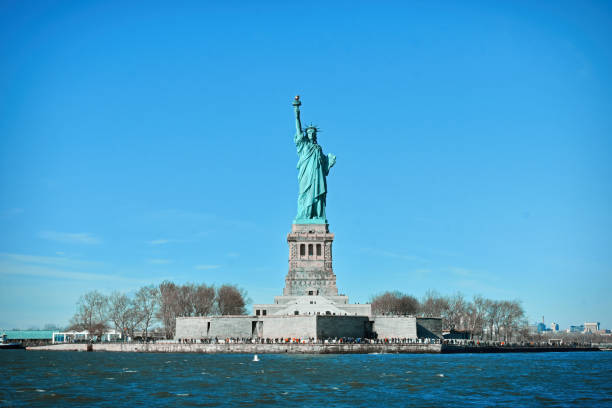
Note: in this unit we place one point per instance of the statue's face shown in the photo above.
(311, 133)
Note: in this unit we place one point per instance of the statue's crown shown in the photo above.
(311, 126)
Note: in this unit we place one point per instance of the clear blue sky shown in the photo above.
(148, 141)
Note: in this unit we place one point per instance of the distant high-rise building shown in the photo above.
(576, 329)
(554, 327)
(592, 327)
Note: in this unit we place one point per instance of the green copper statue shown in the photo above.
(313, 167)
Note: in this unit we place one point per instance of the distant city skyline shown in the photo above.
(145, 143)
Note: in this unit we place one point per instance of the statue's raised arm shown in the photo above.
(298, 123)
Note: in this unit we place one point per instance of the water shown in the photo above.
(127, 379)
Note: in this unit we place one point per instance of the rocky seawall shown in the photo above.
(452, 349)
(293, 348)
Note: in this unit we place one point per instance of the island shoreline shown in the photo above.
(296, 348)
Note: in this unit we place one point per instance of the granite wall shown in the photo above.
(395, 327)
(192, 327)
(245, 327)
(215, 327)
(307, 326)
(429, 327)
(272, 327)
(275, 327)
(343, 326)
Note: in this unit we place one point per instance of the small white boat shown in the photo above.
(255, 358)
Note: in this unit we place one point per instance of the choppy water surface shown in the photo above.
(105, 379)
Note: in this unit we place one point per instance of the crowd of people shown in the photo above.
(311, 340)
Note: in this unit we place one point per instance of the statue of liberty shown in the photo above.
(313, 167)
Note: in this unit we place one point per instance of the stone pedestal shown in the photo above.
(310, 285)
(310, 261)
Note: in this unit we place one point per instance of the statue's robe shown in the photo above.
(313, 168)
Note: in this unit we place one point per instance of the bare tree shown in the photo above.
(395, 303)
(476, 313)
(168, 307)
(186, 294)
(511, 317)
(193, 300)
(434, 305)
(119, 310)
(456, 312)
(91, 314)
(133, 318)
(231, 300)
(492, 317)
(524, 333)
(124, 313)
(407, 305)
(146, 304)
(203, 300)
(382, 303)
(499, 319)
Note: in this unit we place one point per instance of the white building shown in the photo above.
(592, 327)
(73, 336)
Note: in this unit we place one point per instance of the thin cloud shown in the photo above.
(159, 261)
(206, 267)
(459, 271)
(8, 268)
(70, 237)
(159, 241)
(183, 215)
(478, 286)
(197, 217)
(164, 241)
(467, 273)
(11, 212)
(397, 255)
(46, 260)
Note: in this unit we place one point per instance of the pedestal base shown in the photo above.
(310, 261)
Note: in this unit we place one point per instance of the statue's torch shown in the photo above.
(296, 101)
